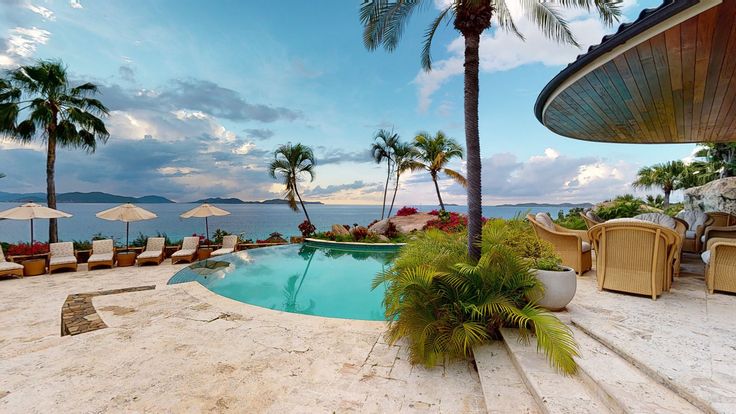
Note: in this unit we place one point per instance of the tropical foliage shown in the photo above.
(625, 206)
(571, 219)
(382, 149)
(668, 176)
(291, 163)
(404, 160)
(433, 152)
(445, 303)
(406, 211)
(57, 113)
(383, 25)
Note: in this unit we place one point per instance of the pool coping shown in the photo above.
(359, 244)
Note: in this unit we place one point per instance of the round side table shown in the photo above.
(126, 259)
(34, 267)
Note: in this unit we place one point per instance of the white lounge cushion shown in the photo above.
(690, 234)
(658, 218)
(184, 253)
(10, 266)
(693, 218)
(150, 254)
(592, 216)
(155, 244)
(706, 257)
(702, 238)
(229, 242)
(101, 257)
(625, 220)
(586, 247)
(545, 220)
(220, 252)
(62, 260)
(190, 243)
(102, 247)
(61, 249)
(2, 254)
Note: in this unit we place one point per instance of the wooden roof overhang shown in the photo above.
(668, 77)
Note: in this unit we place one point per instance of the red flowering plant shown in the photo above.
(406, 211)
(307, 228)
(202, 239)
(448, 222)
(25, 249)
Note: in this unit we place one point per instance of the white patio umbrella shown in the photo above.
(30, 211)
(126, 213)
(205, 210)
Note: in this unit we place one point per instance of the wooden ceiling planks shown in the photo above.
(677, 86)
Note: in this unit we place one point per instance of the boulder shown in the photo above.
(339, 230)
(718, 195)
(383, 239)
(404, 224)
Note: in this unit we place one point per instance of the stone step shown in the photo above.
(620, 384)
(554, 393)
(504, 390)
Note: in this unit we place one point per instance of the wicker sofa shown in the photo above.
(720, 265)
(697, 222)
(572, 246)
(634, 256)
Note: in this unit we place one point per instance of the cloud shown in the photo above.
(22, 44)
(326, 156)
(127, 73)
(332, 190)
(41, 11)
(501, 51)
(259, 133)
(75, 4)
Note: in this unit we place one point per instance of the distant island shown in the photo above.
(233, 200)
(77, 197)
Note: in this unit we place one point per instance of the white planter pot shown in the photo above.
(559, 288)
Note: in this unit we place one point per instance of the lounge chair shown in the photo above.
(9, 268)
(697, 221)
(590, 218)
(713, 232)
(720, 265)
(154, 252)
(572, 246)
(722, 219)
(188, 251)
(228, 246)
(634, 256)
(103, 254)
(679, 226)
(61, 256)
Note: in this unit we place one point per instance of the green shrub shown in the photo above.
(572, 219)
(625, 206)
(673, 209)
(82, 245)
(444, 304)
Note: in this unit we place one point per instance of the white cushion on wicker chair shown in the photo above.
(150, 254)
(706, 257)
(625, 220)
(100, 257)
(592, 216)
(690, 234)
(155, 244)
(10, 266)
(2, 254)
(545, 220)
(62, 260)
(190, 243)
(102, 247)
(586, 247)
(224, 250)
(61, 253)
(658, 218)
(693, 218)
(184, 253)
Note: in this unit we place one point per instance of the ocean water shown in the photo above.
(256, 221)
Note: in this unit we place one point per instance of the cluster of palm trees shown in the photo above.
(37, 102)
(712, 161)
(426, 152)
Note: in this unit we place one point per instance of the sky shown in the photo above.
(201, 93)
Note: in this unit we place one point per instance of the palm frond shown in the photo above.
(548, 19)
(505, 20)
(456, 176)
(429, 36)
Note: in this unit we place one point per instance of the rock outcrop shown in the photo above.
(718, 195)
(340, 230)
(404, 224)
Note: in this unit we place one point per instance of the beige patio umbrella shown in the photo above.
(205, 210)
(126, 213)
(30, 211)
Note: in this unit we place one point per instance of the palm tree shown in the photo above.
(57, 113)
(720, 159)
(433, 153)
(382, 149)
(384, 22)
(668, 176)
(290, 163)
(404, 160)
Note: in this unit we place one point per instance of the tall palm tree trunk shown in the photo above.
(437, 188)
(666, 203)
(393, 199)
(50, 180)
(385, 189)
(472, 144)
(304, 209)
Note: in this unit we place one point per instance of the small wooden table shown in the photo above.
(34, 267)
(203, 253)
(126, 259)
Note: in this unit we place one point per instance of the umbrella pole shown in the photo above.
(127, 230)
(207, 230)
(31, 237)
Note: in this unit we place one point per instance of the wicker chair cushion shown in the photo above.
(190, 243)
(545, 220)
(62, 249)
(586, 246)
(184, 253)
(220, 252)
(690, 234)
(102, 247)
(592, 216)
(229, 242)
(10, 266)
(56, 260)
(693, 218)
(2, 254)
(150, 254)
(155, 244)
(100, 257)
(658, 218)
(625, 220)
(706, 257)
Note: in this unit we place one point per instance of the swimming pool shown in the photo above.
(310, 279)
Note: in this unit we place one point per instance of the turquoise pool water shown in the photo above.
(307, 279)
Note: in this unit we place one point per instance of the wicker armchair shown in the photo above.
(573, 246)
(678, 225)
(720, 265)
(590, 218)
(634, 256)
(9, 268)
(61, 256)
(697, 222)
(103, 254)
(722, 219)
